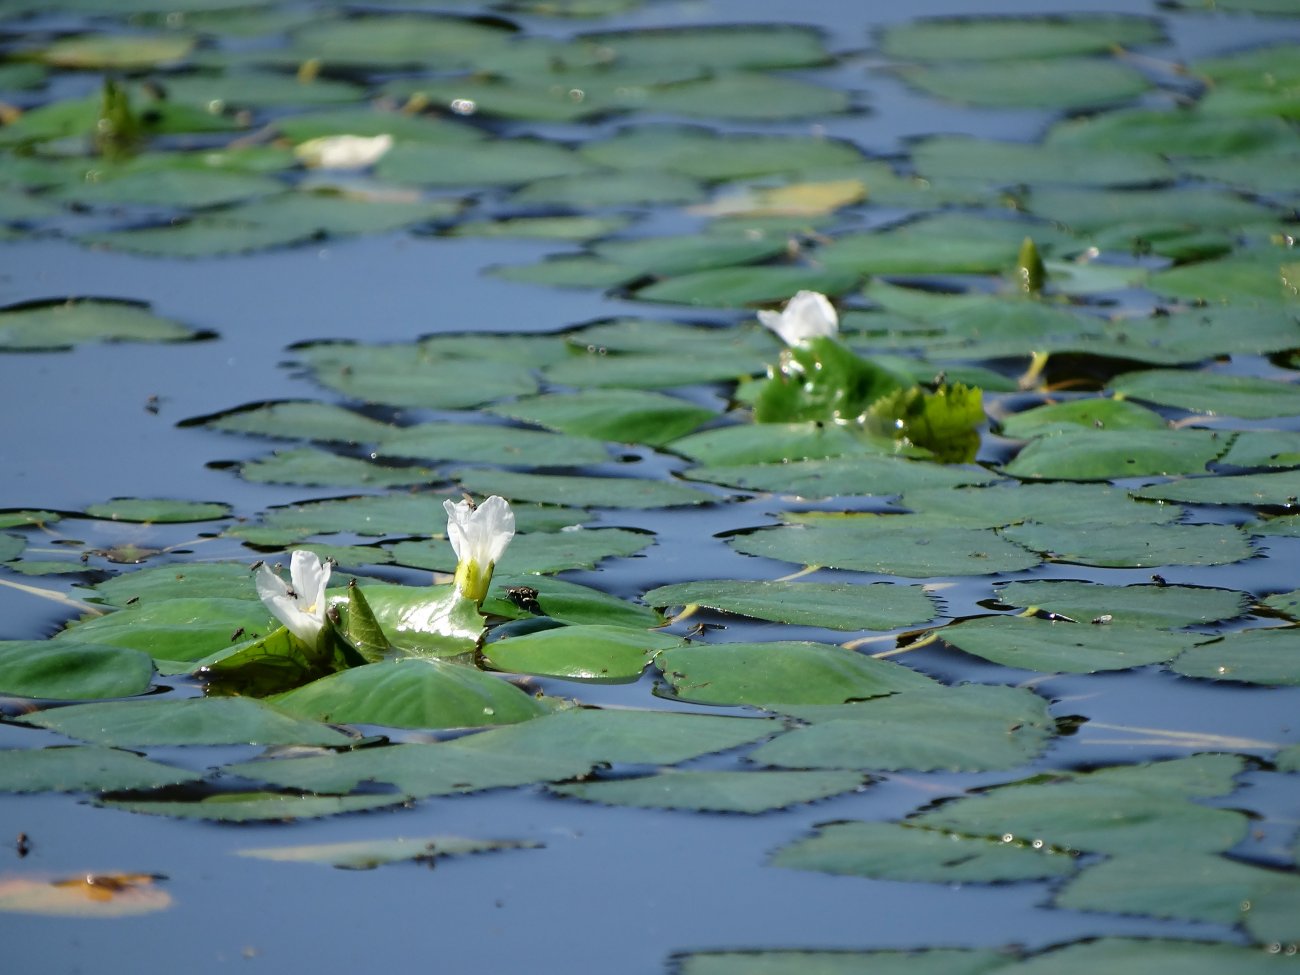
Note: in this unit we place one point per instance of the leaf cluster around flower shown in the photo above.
(819, 378)
(322, 635)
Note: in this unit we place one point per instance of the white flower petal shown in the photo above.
(459, 515)
(479, 536)
(300, 604)
(344, 151)
(806, 316)
(496, 522)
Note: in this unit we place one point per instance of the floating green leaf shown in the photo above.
(308, 465)
(896, 851)
(582, 492)
(192, 721)
(610, 189)
(751, 443)
(954, 243)
(708, 155)
(581, 652)
(1261, 656)
(834, 476)
(737, 286)
(927, 961)
(11, 546)
(971, 727)
(184, 629)
(1004, 38)
(77, 768)
(262, 89)
(565, 601)
(1194, 886)
(61, 326)
(621, 736)
(1010, 163)
(288, 219)
(490, 444)
(417, 769)
(838, 606)
(164, 511)
(68, 670)
(1094, 817)
(623, 415)
(300, 420)
(159, 187)
(396, 41)
(1152, 955)
(1263, 448)
(225, 580)
(1060, 647)
(1144, 605)
(1210, 774)
(1101, 455)
(747, 46)
(1100, 414)
(1059, 83)
(252, 807)
(1244, 396)
(1135, 546)
(1280, 489)
(890, 546)
(739, 792)
(398, 375)
(412, 693)
(489, 163)
(779, 674)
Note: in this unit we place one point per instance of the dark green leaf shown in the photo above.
(69, 670)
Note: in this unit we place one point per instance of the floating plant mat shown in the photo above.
(906, 554)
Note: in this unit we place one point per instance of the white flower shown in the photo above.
(479, 536)
(343, 151)
(300, 605)
(808, 315)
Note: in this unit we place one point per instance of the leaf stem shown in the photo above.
(55, 596)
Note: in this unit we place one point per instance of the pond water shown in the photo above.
(890, 119)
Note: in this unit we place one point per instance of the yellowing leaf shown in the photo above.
(795, 200)
(88, 895)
